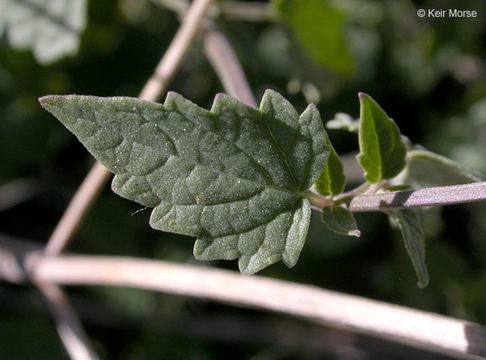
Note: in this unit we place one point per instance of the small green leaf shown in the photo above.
(340, 220)
(332, 179)
(51, 29)
(343, 121)
(383, 152)
(413, 235)
(426, 168)
(319, 27)
(233, 177)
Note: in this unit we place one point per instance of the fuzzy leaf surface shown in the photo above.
(382, 151)
(50, 28)
(233, 177)
(332, 179)
(340, 220)
(408, 220)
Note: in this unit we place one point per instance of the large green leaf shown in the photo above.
(232, 177)
(332, 179)
(383, 152)
(50, 28)
(318, 25)
(425, 168)
(408, 220)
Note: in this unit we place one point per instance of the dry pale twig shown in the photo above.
(74, 214)
(68, 325)
(416, 328)
(226, 64)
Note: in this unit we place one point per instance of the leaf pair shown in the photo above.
(383, 156)
(233, 177)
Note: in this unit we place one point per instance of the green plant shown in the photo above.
(242, 180)
(237, 178)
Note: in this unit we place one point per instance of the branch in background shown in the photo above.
(226, 64)
(172, 59)
(231, 10)
(399, 324)
(79, 206)
(152, 91)
(16, 192)
(433, 196)
(416, 328)
(68, 325)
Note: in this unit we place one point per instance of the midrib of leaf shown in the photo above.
(273, 186)
(377, 138)
(267, 174)
(282, 153)
(265, 221)
(256, 163)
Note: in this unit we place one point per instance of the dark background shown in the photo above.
(428, 74)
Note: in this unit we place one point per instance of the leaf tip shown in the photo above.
(171, 95)
(362, 96)
(269, 92)
(46, 99)
(271, 96)
(355, 233)
(219, 96)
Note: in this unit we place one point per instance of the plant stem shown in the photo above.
(433, 196)
(396, 323)
(152, 91)
(406, 199)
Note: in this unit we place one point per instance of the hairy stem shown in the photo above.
(406, 199)
(433, 196)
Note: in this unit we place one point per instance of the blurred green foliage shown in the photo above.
(429, 75)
